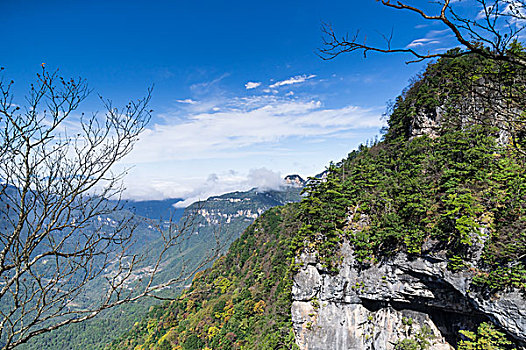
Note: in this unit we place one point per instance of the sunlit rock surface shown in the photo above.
(378, 307)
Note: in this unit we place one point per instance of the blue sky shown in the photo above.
(240, 98)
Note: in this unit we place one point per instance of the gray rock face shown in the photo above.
(488, 110)
(391, 302)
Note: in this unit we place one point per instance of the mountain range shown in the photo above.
(218, 219)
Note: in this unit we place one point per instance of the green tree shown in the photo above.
(487, 337)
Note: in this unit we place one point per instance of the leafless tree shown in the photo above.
(491, 32)
(60, 236)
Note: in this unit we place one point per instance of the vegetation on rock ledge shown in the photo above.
(455, 188)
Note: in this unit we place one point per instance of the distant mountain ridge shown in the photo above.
(226, 215)
(294, 180)
(155, 209)
(165, 208)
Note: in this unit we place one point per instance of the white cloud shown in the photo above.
(437, 33)
(293, 80)
(187, 101)
(264, 179)
(207, 87)
(217, 184)
(431, 38)
(422, 42)
(252, 85)
(286, 133)
(242, 123)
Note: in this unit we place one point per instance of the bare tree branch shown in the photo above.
(491, 34)
(60, 236)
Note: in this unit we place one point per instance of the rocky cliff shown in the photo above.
(379, 307)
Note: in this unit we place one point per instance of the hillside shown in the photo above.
(155, 209)
(242, 301)
(414, 242)
(220, 220)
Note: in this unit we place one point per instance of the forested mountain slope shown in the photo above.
(242, 301)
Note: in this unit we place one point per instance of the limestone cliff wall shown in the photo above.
(378, 307)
